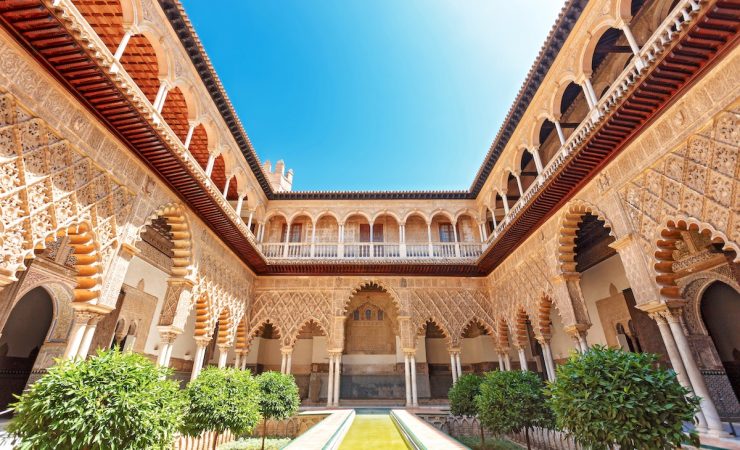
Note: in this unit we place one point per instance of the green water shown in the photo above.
(372, 432)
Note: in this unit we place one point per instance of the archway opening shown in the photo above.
(327, 237)
(175, 113)
(23, 335)
(720, 310)
(372, 364)
(386, 236)
(309, 363)
(437, 358)
(527, 170)
(477, 353)
(264, 351)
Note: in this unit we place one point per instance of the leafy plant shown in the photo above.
(608, 397)
(462, 398)
(512, 401)
(279, 398)
(111, 401)
(256, 444)
(220, 400)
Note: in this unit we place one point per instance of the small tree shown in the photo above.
(511, 401)
(279, 398)
(111, 401)
(609, 397)
(462, 398)
(221, 400)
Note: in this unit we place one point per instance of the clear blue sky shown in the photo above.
(373, 94)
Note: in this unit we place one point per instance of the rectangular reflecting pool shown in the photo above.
(373, 429)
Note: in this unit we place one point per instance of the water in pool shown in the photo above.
(371, 430)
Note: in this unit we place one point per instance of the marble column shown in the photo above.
(522, 359)
(167, 338)
(675, 357)
(337, 377)
(453, 367)
(330, 383)
(407, 374)
(79, 324)
(87, 338)
(547, 356)
(223, 354)
(714, 423)
(501, 362)
(459, 366)
(507, 361)
(414, 395)
(200, 354)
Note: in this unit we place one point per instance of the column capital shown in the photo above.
(168, 334)
(409, 351)
(543, 338)
(178, 281)
(129, 251)
(286, 350)
(202, 341)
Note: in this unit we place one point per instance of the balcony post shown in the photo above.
(340, 249)
(122, 45)
(209, 165)
(429, 239)
(372, 252)
(249, 221)
(519, 184)
(226, 187)
(506, 204)
(537, 161)
(561, 135)
(189, 136)
(287, 240)
(457, 242)
(639, 62)
(313, 240)
(161, 96)
(402, 240)
(239, 204)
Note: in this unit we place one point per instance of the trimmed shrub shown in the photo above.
(221, 400)
(278, 399)
(111, 401)
(512, 401)
(608, 397)
(462, 398)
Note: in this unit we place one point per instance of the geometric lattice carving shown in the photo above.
(48, 188)
(290, 310)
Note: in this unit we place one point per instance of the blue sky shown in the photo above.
(373, 94)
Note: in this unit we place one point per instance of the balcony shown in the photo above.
(442, 251)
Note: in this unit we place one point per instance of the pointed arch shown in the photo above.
(180, 236)
(203, 326)
(291, 340)
(487, 327)
(374, 284)
(424, 323)
(520, 335)
(224, 337)
(255, 330)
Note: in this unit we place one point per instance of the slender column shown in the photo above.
(457, 244)
(697, 379)
(453, 367)
(161, 97)
(244, 360)
(200, 353)
(429, 239)
(313, 240)
(249, 221)
(238, 360)
(189, 136)
(522, 359)
(501, 366)
(283, 360)
(482, 230)
(289, 362)
(372, 247)
(122, 45)
(87, 338)
(507, 361)
(167, 338)
(549, 362)
(407, 375)
(675, 357)
(79, 325)
(338, 377)
(287, 240)
(330, 383)
(226, 187)
(414, 396)
(209, 166)
(402, 239)
(495, 224)
(559, 129)
(506, 203)
(239, 204)
(630, 39)
(223, 354)
(340, 249)
(587, 88)
(519, 185)
(537, 161)
(459, 366)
